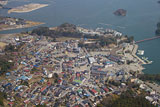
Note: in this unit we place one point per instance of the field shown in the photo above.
(2, 44)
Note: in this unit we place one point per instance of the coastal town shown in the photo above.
(8, 23)
(64, 73)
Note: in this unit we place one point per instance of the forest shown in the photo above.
(126, 99)
(150, 77)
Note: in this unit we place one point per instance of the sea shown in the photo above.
(140, 21)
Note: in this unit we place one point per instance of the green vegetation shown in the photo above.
(13, 48)
(129, 39)
(150, 77)
(34, 69)
(104, 41)
(64, 30)
(10, 48)
(42, 31)
(126, 99)
(4, 65)
(25, 83)
(55, 77)
(70, 30)
(2, 97)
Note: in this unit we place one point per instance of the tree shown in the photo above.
(126, 99)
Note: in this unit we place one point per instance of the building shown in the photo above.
(91, 60)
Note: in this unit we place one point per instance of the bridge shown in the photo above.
(148, 39)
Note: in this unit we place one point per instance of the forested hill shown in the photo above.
(66, 29)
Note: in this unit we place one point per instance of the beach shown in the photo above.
(27, 8)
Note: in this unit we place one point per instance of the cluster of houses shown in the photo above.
(61, 74)
(99, 31)
(11, 21)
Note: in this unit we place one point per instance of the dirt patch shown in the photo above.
(2, 44)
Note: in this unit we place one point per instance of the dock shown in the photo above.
(148, 39)
(134, 54)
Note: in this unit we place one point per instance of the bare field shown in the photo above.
(62, 39)
(2, 44)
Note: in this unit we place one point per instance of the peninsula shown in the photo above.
(8, 23)
(27, 8)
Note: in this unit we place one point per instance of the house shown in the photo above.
(94, 92)
(106, 90)
(91, 60)
(149, 98)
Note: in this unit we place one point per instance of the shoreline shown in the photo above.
(27, 8)
(28, 25)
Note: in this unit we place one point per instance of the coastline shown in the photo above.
(135, 67)
(27, 8)
(28, 25)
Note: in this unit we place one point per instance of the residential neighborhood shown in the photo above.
(64, 74)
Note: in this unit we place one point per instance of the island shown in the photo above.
(27, 8)
(8, 23)
(3, 2)
(120, 12)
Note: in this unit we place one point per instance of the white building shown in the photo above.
(91, 60)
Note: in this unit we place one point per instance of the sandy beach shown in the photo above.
(27, 8)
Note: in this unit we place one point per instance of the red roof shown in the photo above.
(99, 69)
(106, 89)
(26, 101)
(43, 89)
(94, 91)
(49, 83)
(59, 81)
(10, 103)
(70, 61)
(26, 70)
(78, 74)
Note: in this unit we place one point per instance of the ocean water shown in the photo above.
(140, 22)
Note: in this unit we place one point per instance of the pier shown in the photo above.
(148, 39)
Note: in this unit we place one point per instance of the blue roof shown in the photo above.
(108, 62)
(8, 73)
(23, 77)
(42, 80)
(35, 65)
